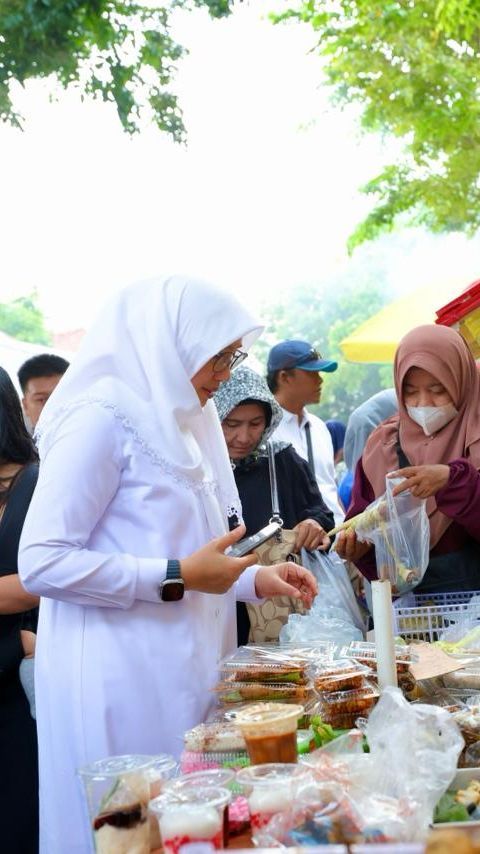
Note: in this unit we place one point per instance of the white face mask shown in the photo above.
(432, 418)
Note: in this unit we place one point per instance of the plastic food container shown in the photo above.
(339, 707)
(270, 731)
(271, 788)
(193, 814)
(366, 653)
(258, 664)
(229, 692)
(342, 674)
(117, 790)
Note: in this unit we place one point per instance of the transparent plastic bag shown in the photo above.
(322, 623)
(398, 527)
(335, 587)
(414, 750)
(323, 815)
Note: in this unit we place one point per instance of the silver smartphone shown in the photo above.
(249, 544)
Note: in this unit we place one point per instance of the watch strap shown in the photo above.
(174, 572)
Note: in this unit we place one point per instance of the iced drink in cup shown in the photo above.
(270, 731)
(271, 788)
(117, 791)
(194, 814)
(222, 777)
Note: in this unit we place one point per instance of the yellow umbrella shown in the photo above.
(376, 340)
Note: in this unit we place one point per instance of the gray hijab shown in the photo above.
(363, 420)
(245, 384)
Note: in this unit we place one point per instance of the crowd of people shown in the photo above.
(152, 455)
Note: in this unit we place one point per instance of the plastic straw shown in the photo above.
(384, 637)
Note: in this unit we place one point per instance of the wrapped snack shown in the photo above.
(397, 525)
(365, 653)
(238, 692)
(258, 664)
(271, 788)
(214, 737)
(322, 815)
(339, 675)
(342, 708)
(117, 791)
(217, 744)
(468, 720)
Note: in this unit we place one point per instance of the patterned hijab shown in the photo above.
(244, 384)
(443, 353)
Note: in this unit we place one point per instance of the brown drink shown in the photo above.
(270, 731)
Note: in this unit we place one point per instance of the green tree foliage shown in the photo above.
(413, 66)
(22, 318)
(325, 318)
(118, 50)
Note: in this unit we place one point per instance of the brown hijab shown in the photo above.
(442, 352)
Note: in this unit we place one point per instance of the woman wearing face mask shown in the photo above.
(434, 444)
(249, 414)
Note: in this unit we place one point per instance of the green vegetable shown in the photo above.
(448, 809)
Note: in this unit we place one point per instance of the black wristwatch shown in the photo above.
(173, 588)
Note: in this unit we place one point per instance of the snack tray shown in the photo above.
(365, 651)
(261, 692)
(341, 674)
(350, 701)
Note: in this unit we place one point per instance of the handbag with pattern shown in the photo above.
(267, 618)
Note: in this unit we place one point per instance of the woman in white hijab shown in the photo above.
(135, 473)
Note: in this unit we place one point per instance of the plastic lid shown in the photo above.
(191, 796)
(116, 766)
(271, 773)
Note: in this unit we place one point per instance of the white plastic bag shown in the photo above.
(399, 529)
(334, 585)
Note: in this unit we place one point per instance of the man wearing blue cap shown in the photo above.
(293, 376)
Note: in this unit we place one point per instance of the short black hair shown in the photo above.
(272, 378)
(16, 444)
(43, 365)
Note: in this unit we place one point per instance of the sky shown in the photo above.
(262, 199)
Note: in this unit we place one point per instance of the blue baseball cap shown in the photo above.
(297, 354)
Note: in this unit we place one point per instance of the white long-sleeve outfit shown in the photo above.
(117, 670)
(290, 430)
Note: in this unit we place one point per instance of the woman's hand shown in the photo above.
(422, 481)
(310, 535)
(286, 579)
(349, 547)
(209, 570)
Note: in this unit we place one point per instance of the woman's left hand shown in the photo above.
(422, 481)
(286, 579)
(310, 535)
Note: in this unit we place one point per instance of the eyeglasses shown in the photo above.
(228, 360)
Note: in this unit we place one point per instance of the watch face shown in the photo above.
(172, 591)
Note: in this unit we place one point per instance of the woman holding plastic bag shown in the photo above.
(433, 444)
(249, 414)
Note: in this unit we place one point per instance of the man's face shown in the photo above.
(305, 385)
(36, 394)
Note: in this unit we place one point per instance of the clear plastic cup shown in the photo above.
(271, 788)
(117, 791)
(219, 777)
(191, 814)
(270, 731)
(161, 770)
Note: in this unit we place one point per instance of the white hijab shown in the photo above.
(138, 359)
